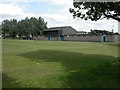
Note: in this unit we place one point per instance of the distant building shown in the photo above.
(58, 33)
(67, 33)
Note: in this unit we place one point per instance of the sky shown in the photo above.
(55, 13)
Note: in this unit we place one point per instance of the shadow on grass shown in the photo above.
(114, 44)
(9, 82)
(84, 70)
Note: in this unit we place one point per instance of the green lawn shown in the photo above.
(59, 64)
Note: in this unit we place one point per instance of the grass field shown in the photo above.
(59, 64)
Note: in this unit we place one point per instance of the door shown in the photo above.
(49, 38)
(62, 38)
(104, 39)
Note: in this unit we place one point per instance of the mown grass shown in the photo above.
(59, 64)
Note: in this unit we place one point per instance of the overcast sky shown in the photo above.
(55, 13)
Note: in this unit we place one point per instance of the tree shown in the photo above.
(20, 30)
(100, 32)
(96, 10)
(42, 25)
(37, 26)
(13, 28)
(5, 27)
(26, 27)
(0, 31)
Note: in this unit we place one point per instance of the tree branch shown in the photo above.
(113, 17)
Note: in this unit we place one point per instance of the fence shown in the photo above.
(86, 38)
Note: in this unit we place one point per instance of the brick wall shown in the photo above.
(87, 38)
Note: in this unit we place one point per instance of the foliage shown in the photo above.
(23, 28)
(100, 32)
(0, 30)
(96, 10)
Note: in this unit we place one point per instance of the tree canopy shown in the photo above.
(100, 32)
(96, 10)
(26, 27)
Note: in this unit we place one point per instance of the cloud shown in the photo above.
(61, 2)
(8, 11)
(17, 1)
(60, 18)
(55, 2)
(11, 9)
(79, 24)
